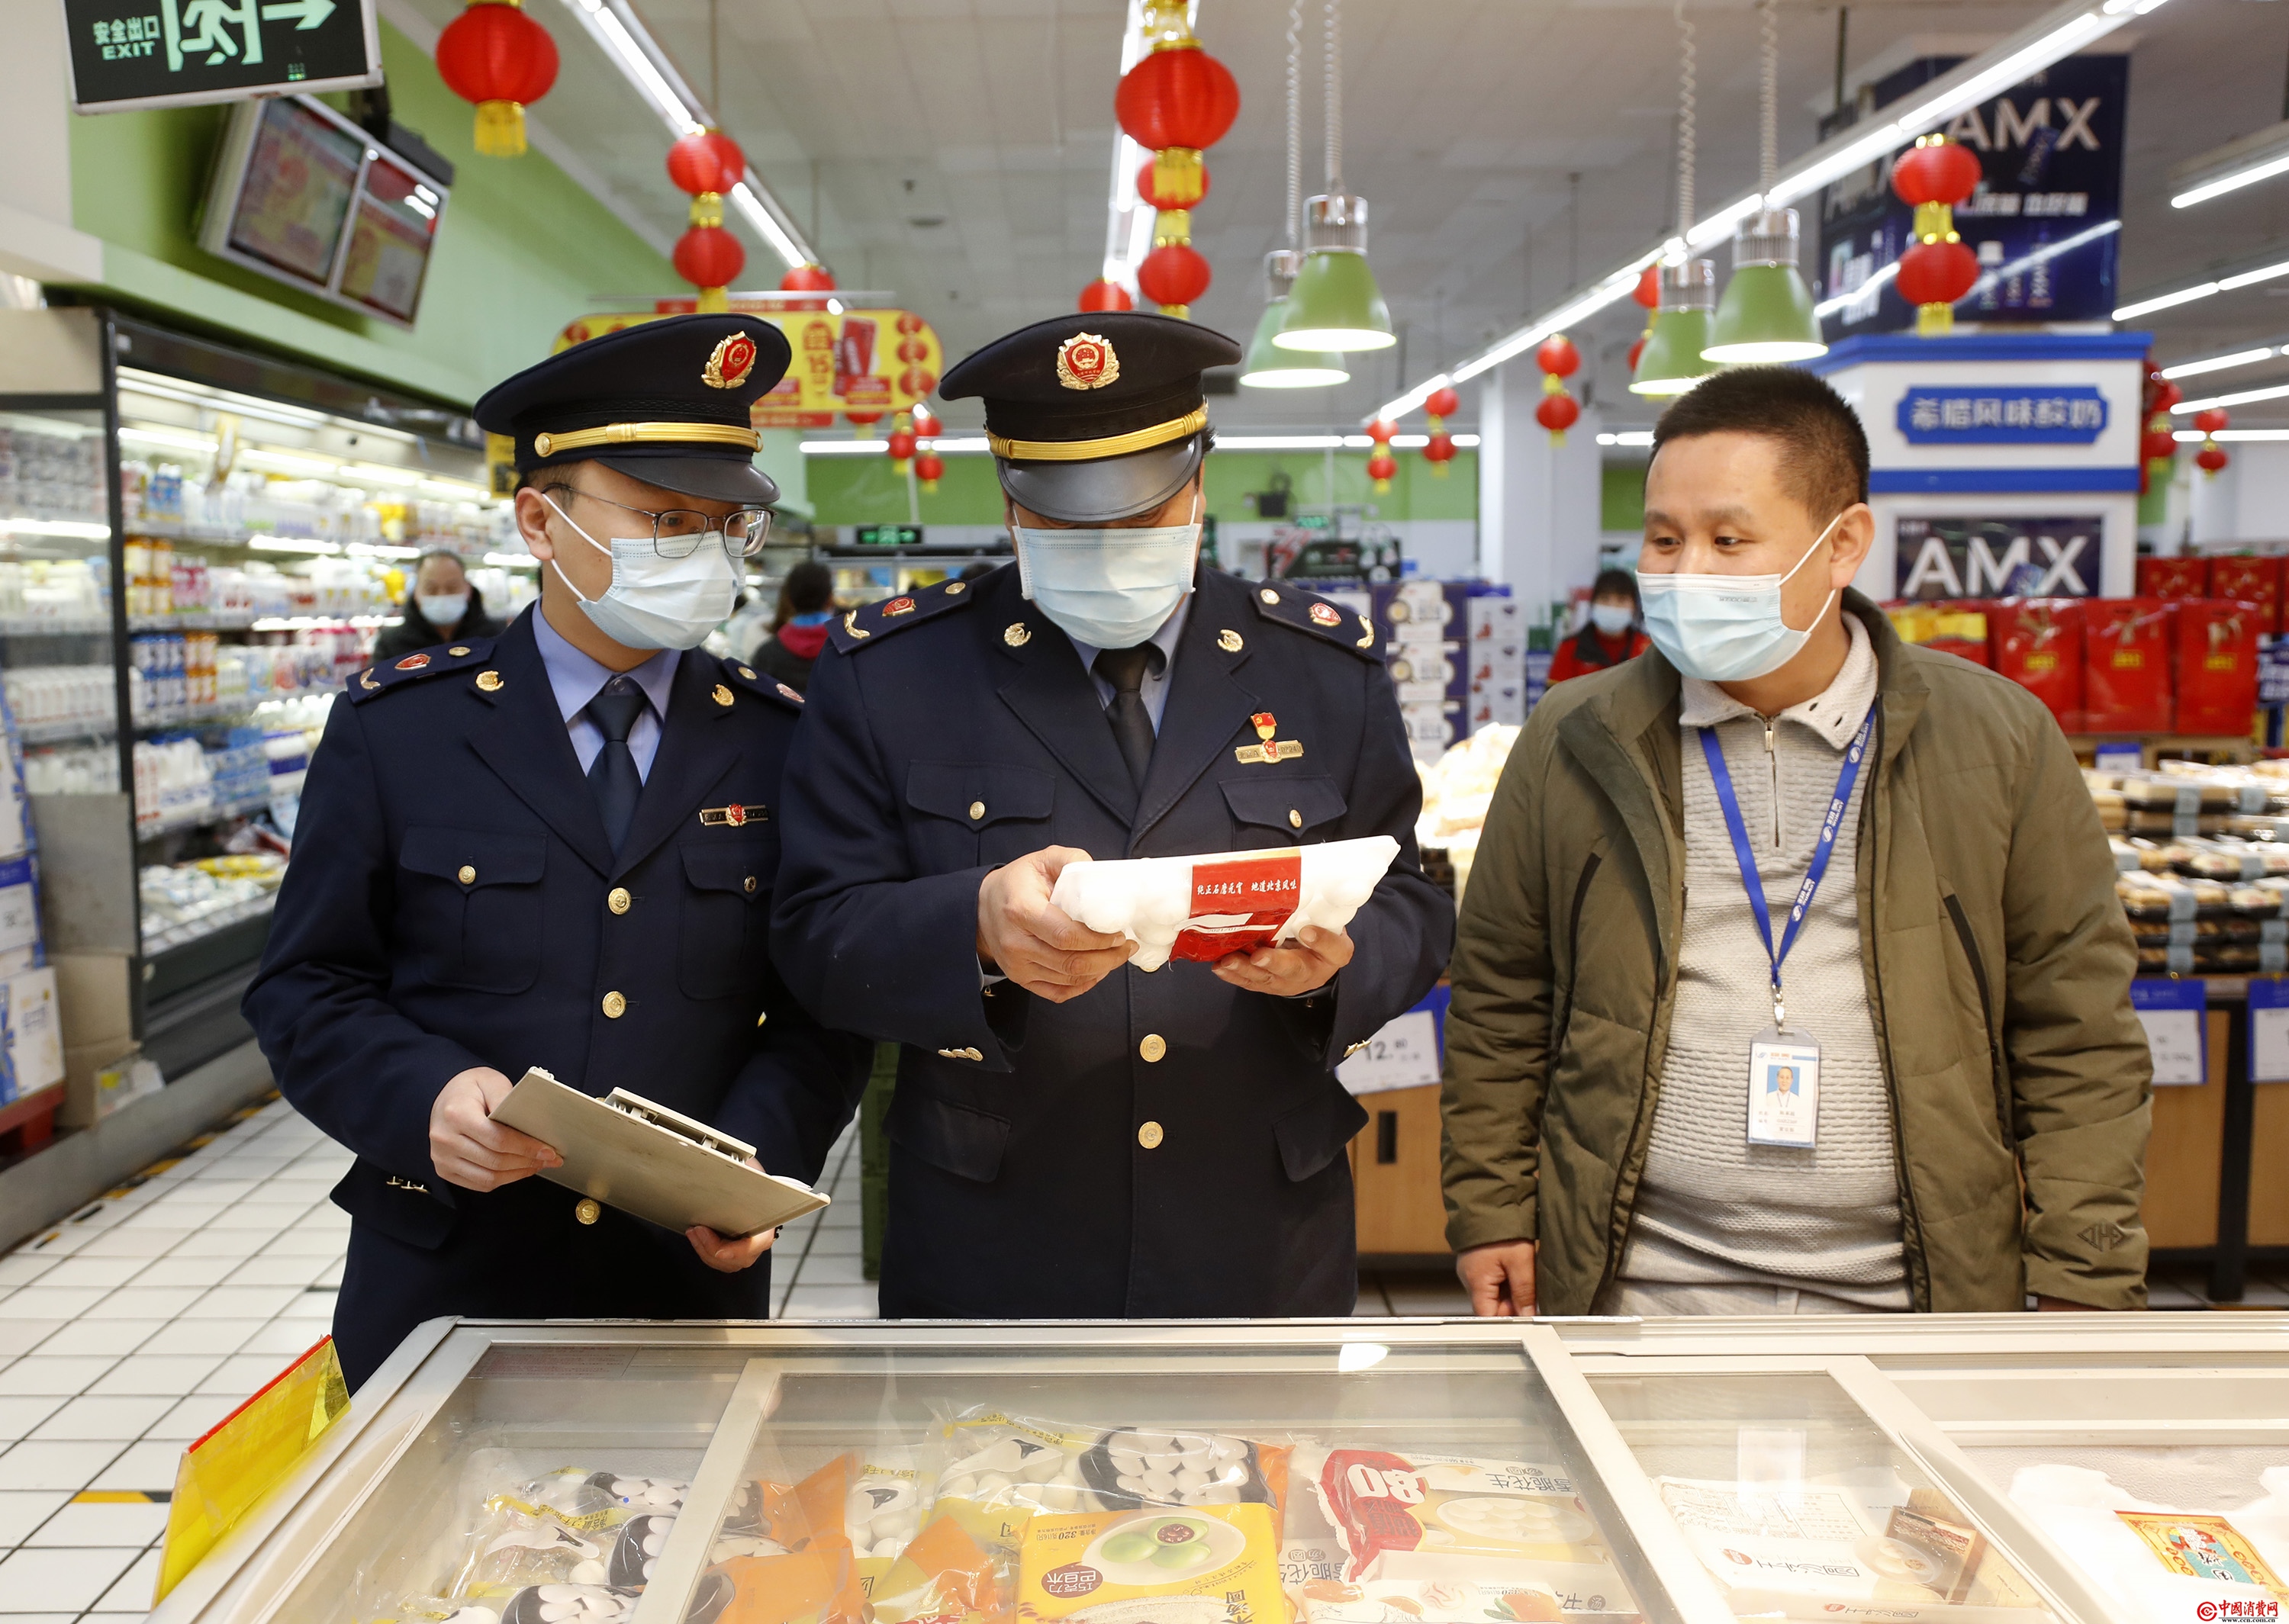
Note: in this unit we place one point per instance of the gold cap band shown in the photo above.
(1088, 451)
(655, 434)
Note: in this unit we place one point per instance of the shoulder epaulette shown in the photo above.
(858, 627)
(1306, 612)
(740, 674)
(383, 675)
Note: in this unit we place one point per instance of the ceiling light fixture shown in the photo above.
(1673, 360)
(2059, 32)
(1335, 303)
(1267, 365)
(2195, 436)
(2239, 280)
(2240, 398)
(2230, 168)
(2219, 363)
(1766, 314)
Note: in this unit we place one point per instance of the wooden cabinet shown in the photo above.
(1395, 1171)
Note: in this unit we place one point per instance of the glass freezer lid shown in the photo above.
(1209, 1476)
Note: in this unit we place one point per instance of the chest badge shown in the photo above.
(1229, 641)
(722, 694)
(1270, 750)
(733, 817)
(489, 681)
(1016, 636)
(898, 606)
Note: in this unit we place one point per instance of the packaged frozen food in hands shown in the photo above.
(1206, 907)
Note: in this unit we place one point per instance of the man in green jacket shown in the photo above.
(1886, 1059)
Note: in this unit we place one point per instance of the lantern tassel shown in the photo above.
(500, 128)
(1179, 177)
(1934, 321)
(714, 301)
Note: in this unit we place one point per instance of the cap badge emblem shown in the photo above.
(1326, 614)
(413, 662)
(1087, 362)
(729, 366)
(898, 606)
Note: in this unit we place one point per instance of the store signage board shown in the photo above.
(2045, 220)
(1404, 1054)
(889, 535)
(863, 360)
(1965, 556)
(2055, 414)
(2269, 1030)
(2173, 1011)
(159, 53)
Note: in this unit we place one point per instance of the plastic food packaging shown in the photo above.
(2126, 658)
(1202, 1564)
(2038, 644)
(2161, 1561)
(1431, 1601)
(1205, 907)
(1026, 1464)
(943, 1573)
(1424, 1517)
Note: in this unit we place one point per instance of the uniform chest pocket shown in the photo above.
(723, 941)
(966, 815)
(469, 906)
(1270, 811)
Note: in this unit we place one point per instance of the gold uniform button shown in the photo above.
(1295, 819)
(748, 885)
(457, 652)
(1154, 1047)
(466, 875)
(619, 901)
(587, 1211)
(1150, 1135)
(615, 1006)
(976, 810)
(1268, 596)
(748, 671)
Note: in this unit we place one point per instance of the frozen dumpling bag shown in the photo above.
(1205, 907)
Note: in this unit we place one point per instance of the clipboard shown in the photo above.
(628, 1152)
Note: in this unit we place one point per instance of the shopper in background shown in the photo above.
(442, 607)
(1071, 1137)
(1968, 1106)
(1612, 634)
(556, 849)
(806, 605)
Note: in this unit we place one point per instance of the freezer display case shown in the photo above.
(197, 543)
(1997, 1470)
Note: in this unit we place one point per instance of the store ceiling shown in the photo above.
(957, 151)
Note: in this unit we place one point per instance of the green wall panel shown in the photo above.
(1620, 496)
(522, 249)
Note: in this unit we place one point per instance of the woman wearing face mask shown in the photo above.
(554, 847)
(441, 608)
(1612, 636)
(1073, 1138)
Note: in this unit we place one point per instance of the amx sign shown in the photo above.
(1999, 558)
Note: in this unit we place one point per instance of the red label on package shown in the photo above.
(1367, 1495)
(1239, 904)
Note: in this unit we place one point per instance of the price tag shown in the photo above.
(2269, 1031)
(2172, 1013)
(1404, 1054)
(2120, 757)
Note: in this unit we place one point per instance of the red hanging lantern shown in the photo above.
(1557, 413)
(1442, 404)
(2212, 420)
(2157, 444)
(709, 257)
(1934, 274)
(2166, 395)
(1380, 431)
(926, 423)
(709, 161)
(929, 468)
(865, 422)
(811, 278)
(1381, 468)
(1558, 357)
(1172, 276)
(496, 56)
(1936, 171)
(1149, 193)
(2211, 457)
(1104, 294)
(1636, 350)
(1939, 269)
(1174, 103)
(1438, 453)
(901, 445)
(1648, 292)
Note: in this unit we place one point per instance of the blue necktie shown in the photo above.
(613, 773)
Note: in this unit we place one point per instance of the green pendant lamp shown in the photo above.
(1674, 358)
(1766, 316)
(1269, 367)
(1335, 303)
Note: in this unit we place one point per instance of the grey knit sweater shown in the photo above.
(1713, 1207)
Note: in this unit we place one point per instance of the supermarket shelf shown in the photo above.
(66, 732)
(204, 716)
(2219, 747)
(172, 937)
(51, 625)
(203, 818)
(197, 620)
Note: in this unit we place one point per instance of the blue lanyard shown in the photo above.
(1822, 849)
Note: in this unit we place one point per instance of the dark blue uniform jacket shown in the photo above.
(453, 901)
(954, 731)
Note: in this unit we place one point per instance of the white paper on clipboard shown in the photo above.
(626, 1151)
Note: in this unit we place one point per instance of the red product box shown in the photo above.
(2172, 577)
(1964, 628)
(2127, 645)
(2246, 578)
(2037, 643)
(2217, 666)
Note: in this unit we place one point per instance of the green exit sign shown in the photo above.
(150, 53)
(890, 534)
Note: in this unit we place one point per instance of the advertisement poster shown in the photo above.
(2046, 220)
(862, 360)
(1999, 558)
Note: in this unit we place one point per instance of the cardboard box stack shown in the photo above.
(31, 1031)
(1495, 647)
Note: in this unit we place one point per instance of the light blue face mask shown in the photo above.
(1725, 628)
(1108, 588)
(1612, 619)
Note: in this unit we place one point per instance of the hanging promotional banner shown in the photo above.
(861, 361)
(2045, 222)
(161, 53)
(1967, 557)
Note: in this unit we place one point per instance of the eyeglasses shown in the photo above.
(678, 532)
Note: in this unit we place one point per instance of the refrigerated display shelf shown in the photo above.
(205, 817)
(184, 932)
(48, 625)
(65, 732)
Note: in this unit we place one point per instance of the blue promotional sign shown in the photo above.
(2046, 220)
(2173, 1011)
(2269, 1030)
(2051, 414)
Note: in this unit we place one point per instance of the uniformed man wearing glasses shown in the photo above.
(557, 848)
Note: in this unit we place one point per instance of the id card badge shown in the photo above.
(1783, 1089)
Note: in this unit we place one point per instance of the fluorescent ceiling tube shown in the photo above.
(2242, 398)
(2230, 168)
(2219, 363)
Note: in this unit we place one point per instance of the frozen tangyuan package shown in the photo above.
(1027, 1464)
(1206, 1564)
(1203, 908)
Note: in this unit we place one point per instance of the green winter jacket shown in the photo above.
(1999, 968)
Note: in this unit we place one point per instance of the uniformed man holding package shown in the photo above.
(1071, 1136)
(556, 849)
